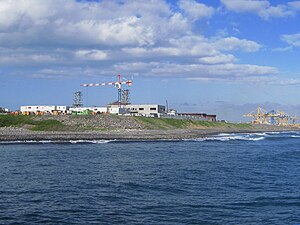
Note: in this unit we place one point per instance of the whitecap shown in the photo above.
(56, 142)
(90, 141)
(231, 137)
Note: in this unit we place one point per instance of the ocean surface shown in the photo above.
(224, 179)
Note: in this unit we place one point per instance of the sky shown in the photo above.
(223, 57)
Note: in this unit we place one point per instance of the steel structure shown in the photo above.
(273, 117)
(118, 84)
(258, 116)
(77, 99)
(125, 97)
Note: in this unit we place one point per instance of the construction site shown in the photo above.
(272, 117)
(122, 106)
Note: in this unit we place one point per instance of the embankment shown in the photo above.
(110, 127)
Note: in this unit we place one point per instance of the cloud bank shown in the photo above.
(144, 38)
(262, 8)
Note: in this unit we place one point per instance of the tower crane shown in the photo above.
(117, 84)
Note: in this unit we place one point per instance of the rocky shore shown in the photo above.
(22, 134)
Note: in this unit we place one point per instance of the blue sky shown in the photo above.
(224, 57)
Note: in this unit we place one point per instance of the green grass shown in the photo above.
(20, 121)
(164, 123)
(11, 120)
(240, 125)
(49, 125)
(148, 123)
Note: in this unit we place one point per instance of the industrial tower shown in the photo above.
(125, 97)
(77, 99)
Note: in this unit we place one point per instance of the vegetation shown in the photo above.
(29, 122)
(11, 120)
(164, 123)
(50, 124)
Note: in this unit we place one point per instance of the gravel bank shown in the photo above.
(21, 134)
(97, 121)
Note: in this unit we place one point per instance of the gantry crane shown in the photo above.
(273, 117)
(258, 115)
(117, 84)
(294, 119)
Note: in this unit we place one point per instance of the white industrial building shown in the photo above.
(146, 109)
(95, 109)
(136, 110)
(117, 110)
(46, 109)
(141, 109)
(3, 110)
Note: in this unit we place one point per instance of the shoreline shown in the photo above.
(22, 134)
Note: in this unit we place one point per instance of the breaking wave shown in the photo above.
(58, 142)
(248, 136)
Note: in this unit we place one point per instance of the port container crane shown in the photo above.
(273, 117)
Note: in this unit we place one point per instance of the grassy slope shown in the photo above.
(162, 123)
(27, 121)
(148, 123)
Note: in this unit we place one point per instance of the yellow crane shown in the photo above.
(258, 115)
(273, 117)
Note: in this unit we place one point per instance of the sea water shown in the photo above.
(222, 179)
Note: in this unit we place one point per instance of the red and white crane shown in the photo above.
(117, 84)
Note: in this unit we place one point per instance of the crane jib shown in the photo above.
(117, 84)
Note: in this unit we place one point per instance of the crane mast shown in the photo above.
(118, 84)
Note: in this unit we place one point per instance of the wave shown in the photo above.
(258, 136)
(248, 136)
(227, 138)
(58, 142)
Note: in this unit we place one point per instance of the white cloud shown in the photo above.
(283, 49)
(120, 31)
(91, 54)
(226, 70)
(195, 46)
(233, 43)
(261, 80)
(25, 57)
(218, 59)
(295, 5)
(196, 10)
(263, 8)
(152, 38)
(76, 23)
(292, 39)
(246, 5)
(276, 11)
